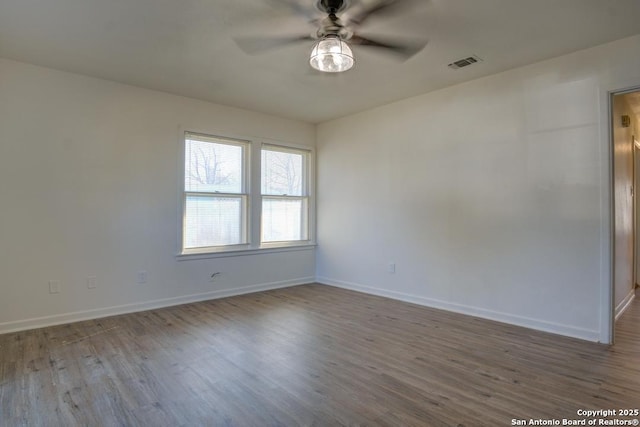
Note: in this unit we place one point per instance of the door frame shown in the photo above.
(612, 199)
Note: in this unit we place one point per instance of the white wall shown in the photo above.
(492, 197)
(89, 187)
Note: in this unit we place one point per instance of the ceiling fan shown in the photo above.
(335, 33)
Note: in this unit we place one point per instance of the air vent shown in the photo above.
(464, 62)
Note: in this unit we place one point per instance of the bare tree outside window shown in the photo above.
(213, 167)
(281, 173)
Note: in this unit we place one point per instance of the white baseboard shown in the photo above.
(58, 319)
(541, 325)
(624, 304)
(76, 316)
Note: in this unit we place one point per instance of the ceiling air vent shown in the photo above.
(464, 62)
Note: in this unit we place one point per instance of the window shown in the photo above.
(215, 197)
(241, 195)
(284, 194)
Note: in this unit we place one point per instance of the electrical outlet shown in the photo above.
(142, 277)
(54, 286)
(92, 282)
(391, 268)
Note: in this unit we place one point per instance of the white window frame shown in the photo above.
(253, 190)
(243, 194)
(305, 197)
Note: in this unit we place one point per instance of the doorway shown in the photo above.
(625, 132)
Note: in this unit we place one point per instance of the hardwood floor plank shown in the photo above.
(309, 355)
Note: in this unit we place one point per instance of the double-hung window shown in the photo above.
(285, 194)
(243, 195)
(215, 192)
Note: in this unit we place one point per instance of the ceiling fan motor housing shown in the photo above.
(332, 6)
(331, 26)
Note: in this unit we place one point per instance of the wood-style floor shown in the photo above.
(310, 355)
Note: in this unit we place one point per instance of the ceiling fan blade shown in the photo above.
(298, 7)
(253, 45)
(358, 15)
(403, 48)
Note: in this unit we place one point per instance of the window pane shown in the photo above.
(211, 167)
(213, 221)
(283, 220)
(282, 173)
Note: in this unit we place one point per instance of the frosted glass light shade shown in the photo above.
(331, 55)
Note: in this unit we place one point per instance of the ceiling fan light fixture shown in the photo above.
(331, 54)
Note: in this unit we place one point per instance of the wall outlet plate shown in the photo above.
(391, 268)
(141, 277)
(54, 286)
(92, 282)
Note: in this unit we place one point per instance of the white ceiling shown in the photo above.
(185, 47)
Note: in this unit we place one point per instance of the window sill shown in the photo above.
(266, 249)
